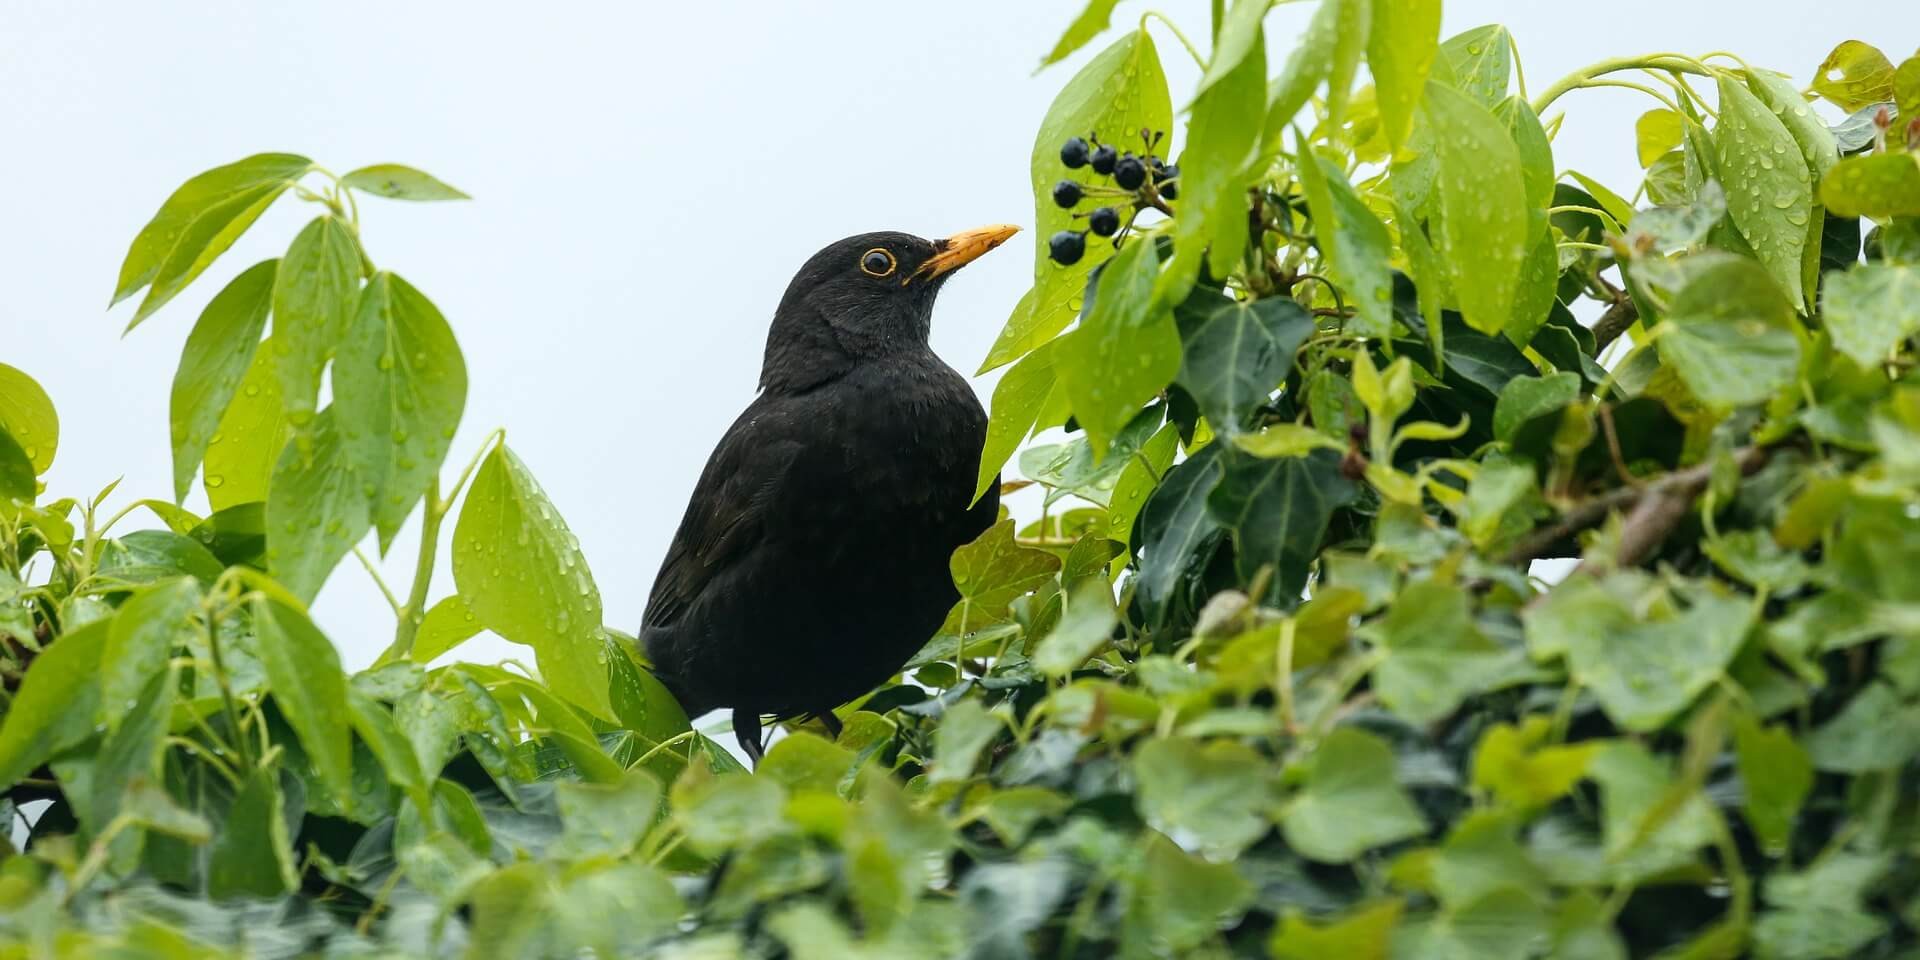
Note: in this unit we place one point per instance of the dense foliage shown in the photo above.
(1269, 676)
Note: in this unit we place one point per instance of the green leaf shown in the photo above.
(802, 761)
(1616, 207)
(27, 415)
(1353, 242)
(1875, 185)
(1351, 801)
(1093, 20)
(1125, 349)
(1769, 188)
(1223, 133)
(1777, 775)
(1309, 64)
(1179, 901)
(1233, 360)
(399, 386)
(1277, 512)
(1643, 670)
(1084, 627)
(397, 182)
(1522, 771)
(1524, 398)
(141, 640)
(1114, 96)
(1363, 934)
(55, 705)
(16, 475)
(246, 443)
(379, 730)
(1870, 308)
(1287, 440)
(218, 354)
(1401, 47)
(1481, 60)
(1817, 145)
(521, 572)
(310, 688)
(606, 820)
(989, 573)
(1137, 481)
(316, 508)
(1729, 333)
(1645, 828)
(1855, 76)
(1213, 796)
(1435, 656)
(201, 210)
(1485, 231)
(723, 811)
(1656, 133)
(1174, 525)
(1906, 87)
(1876, 730)
(130, 757)
(965, 730)
(313, 299)
(252, 856)
(1017, 401)
(1240, 37)
(447, 624)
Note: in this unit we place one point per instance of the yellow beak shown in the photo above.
(963, 248)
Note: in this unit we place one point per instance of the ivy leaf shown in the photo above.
(606, 819)
(1234, 359)
(1870, 309)
(252, 855)
(1729, 335)
(1179, 901)
(989, 573)
(1524, 398)
(1876, 185)
(1017, 401)
(218, 353)
(1777, 775)
(1118, 93)
(1084, 627)
(313, 299)
(1855, 76)
(1484, 234)
(521, 572)
(397, 182)
(1481, 61)
(55, 705)
(965, 729)
(304, 672)
(1354, 243)
(316, 509)
(1351, 801)
(1646, 828)
(1876, 730)
(1435, 656)
(1401, 47)
(198, 222)
(1277, 511)
(1174, 527)
(1521, 770)
(1769, 188)
(27, 415)
(1125, 349)
(399, 386)
(1213, 796)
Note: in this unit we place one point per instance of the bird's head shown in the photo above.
(862, 297)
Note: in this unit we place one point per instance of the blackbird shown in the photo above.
(812, 561)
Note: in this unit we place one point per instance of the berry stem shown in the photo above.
(1192, 51)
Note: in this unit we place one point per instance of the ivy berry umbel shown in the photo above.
(1143, 180)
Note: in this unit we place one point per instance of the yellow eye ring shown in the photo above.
(877, 262)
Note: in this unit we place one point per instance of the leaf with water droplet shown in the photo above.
(1353, 242)
(218, 354)
(309, 687)
(313, 298)
(315, 509)
(27, 415)
(199, 222)
(1125, 350)
(1484, 230)
(1775, 186)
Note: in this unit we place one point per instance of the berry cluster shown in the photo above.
(1140, 181)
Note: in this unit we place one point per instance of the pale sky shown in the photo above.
(646, 178)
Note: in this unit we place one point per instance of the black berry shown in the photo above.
(1103, 160)
(1074, 153)
(1067, 247)
(1170, 191)
(1104, 221)
(1066, 193)
(1129, 172)
(1157, 167)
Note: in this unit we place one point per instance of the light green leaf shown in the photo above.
(55, 705)
(1286, 440)
(245, 445)
(131, 755)
(252, 856)
(1308, 65)
(1240, 37)
(397, 182)
(217, 356)
(1223, 133)
(1777, 775)
(1435, 656)
(1656, 133)
(1363, 934)
(1729, 335)
(27, 415)
(1769, 188)
(313, 299)
(1871, 308)
(1093, 20)
(446, 625)
(521, 572)
(1353, 242)
(1481, 60)
(1524, 398)
(1084, 627)
(316, 509)
(144, 633)
(965, 729)
(1125, 350)
(606, 820)
(1906, 86)
(989, 573)
(1485, 218)
(1855, 76)
(802, 761)
(1017, 401)
(1179, 901)
(722, 811)
(1644, 830)
(1277, 511)
(1876, 730)
(1213, 796)
(303, 670)
(1875, 185)
(1522, 771)
(399, 386)
(1114, 96)
(199, 222)
(1234, 359)
(1402, 44)
(378, 729)
(1817, 145)
(1351, 801)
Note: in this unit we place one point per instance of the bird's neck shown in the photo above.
(805, 348)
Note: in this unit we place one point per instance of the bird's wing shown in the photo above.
(726, 515)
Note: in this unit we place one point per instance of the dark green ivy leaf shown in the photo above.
(1277, 511)
(1236, 357)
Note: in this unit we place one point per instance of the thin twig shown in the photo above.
(1618, 319)
(1657, 507)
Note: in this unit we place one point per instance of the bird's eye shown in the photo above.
(876, 262)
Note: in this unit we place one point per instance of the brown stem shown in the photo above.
(1618, 319)
(1657, 507)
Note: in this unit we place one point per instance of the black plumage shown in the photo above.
(812, 561)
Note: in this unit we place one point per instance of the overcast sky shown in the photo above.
(646, 177)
